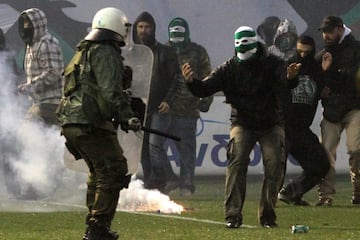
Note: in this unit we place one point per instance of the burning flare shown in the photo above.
(136, 198)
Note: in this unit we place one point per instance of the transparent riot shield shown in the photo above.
(140, 59)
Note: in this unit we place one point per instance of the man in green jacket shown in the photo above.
(186, 107)
(93, 101)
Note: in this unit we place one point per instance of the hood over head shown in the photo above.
(286, 35)
(267, 29)
(144, 17)
(179, 33)
(38, 26)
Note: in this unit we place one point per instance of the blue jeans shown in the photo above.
(185, 128)
(161, 170)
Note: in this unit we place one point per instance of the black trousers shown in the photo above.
(305, 147)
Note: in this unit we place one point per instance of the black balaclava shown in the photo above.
(144, 17)
(27, 33)
(308, 60)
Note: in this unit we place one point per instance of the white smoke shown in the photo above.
(35, 155)
(31, 153)
(136, 198)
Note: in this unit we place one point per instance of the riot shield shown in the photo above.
(140, 59)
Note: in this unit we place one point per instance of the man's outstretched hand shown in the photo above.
(187, 72)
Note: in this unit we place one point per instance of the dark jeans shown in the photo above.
(305, 147)
(185, 128)
(156, 166)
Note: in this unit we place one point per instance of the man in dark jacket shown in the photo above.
(300, 104)
(251, 82)
(340, 60)
(157, 170)
(93, 101)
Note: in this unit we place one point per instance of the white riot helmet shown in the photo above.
(109, 24)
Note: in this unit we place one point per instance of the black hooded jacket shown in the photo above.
(165, 72)
(252, 88)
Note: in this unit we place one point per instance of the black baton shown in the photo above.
(157, 132)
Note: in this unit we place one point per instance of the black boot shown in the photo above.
(87, 220)
(100, 232)
(86, 234)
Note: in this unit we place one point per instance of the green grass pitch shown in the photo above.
(204, 218)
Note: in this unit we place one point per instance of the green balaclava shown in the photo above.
(245, 43)
(179, 33)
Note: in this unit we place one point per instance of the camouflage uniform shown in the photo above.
(185, 103)
(98, 144)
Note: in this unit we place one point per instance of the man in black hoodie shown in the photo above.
(251, 81)
(300, 104)
(157, 170)
(340, 60)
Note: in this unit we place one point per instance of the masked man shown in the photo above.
(186, 107)
(43, 65)
(284, 45)
(251, 81)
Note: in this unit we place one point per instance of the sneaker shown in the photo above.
(169, 186)
(324, 201)
(282, 196)
(355, 199)
(185, 192)
(269, 225)
(233, 222)
(301, 202)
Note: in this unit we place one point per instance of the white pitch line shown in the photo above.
(58, 204)
(145, 213)
(183, 218)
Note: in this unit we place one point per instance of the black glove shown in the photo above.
(133, 124)
(127, 79)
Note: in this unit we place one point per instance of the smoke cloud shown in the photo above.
(31, 153)
(32, 165)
